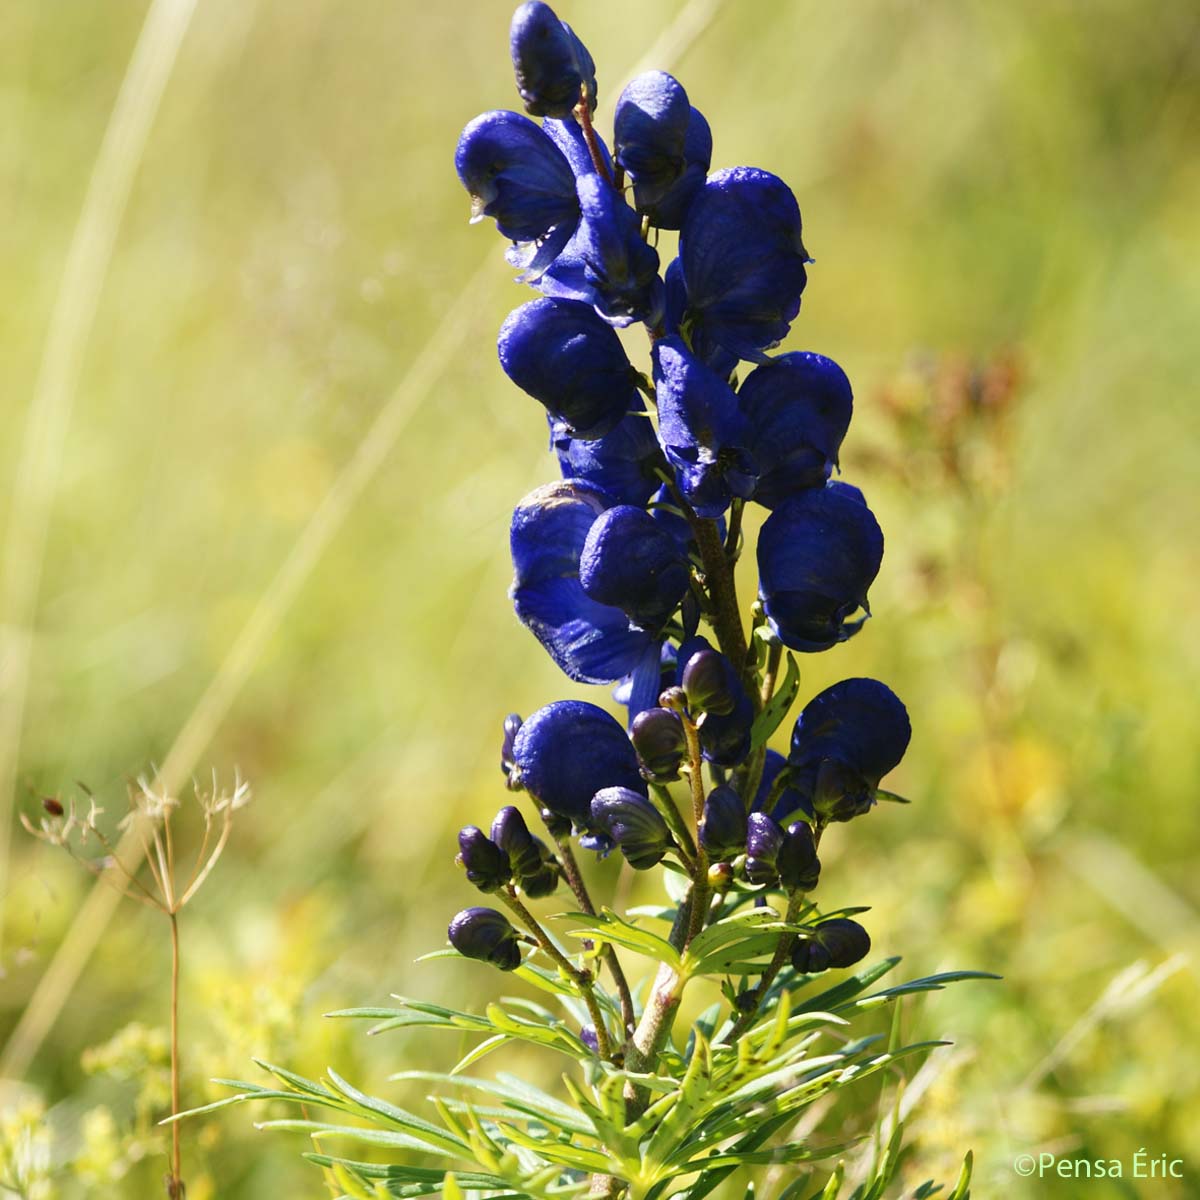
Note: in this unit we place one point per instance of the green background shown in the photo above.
(1003, 200)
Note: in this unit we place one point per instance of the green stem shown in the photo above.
(676, 823)
(579, 888)
(580, 978)
(782, 953)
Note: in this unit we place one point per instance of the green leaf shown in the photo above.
(370, 1137)
(608, 927)
(928, 983)
(890, 797)
(777, 707)
(375, 1107)
(962, 1188)
(473, 1056)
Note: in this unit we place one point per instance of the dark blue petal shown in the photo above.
(701, 430)
(671, 211)
(844, 742)
(550, 62)
(516, 174)
(818, 553)
(650, 127)
(618, 264)
(590, 642)
(724, 739)
(622, 462)
(631, 562)
(564, 356)
(798, 407)
(570, 750)
(568, 137)
(723, 833)
(633, 823)
(661, 745)
(486, 935)
(743, 262)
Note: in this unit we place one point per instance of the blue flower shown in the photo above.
(789, 803)
(550, 62)
(818, 553)
(567, 752)
(672, 209)
(743, 263)
(632, 563)
(650, 127)
(511, 724)
(633, 823)
(838, 942)
(623, 463)
(798, 407)
(567, 358)
(485, 934)
(517, 175)
(702, 431)
(590, 641)
(844, 742)
(710, 682)
(723, 831)
(620, 268)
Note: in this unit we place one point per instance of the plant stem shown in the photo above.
(579, 888)
(722, 591)
(175, 1186)
(700, 875)
(583, 114)
(676, 823)
(782, 952)
(581, 978)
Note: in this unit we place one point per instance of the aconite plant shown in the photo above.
(710, 1074)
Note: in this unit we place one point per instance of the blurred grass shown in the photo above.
(975, 179)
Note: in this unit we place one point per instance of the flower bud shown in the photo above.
(720, 876)
(587, 1035)
(763, 842)
(633, 823)
(710, 683)
(486, 935)
(550, 62)
(723, 830)
(838, 942)
(660, 743)
(487, 865)
(512, 835)
(799, 867)
(511, 724)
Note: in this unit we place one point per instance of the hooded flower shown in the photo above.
(838, 942)
(632, 563)
(515, 174)
(550, 62)
(743, 263)
(622, 462)
(649, 132)
(764, 839)
(486, 864)
(702, 431)
(671, 210)
(486, 935)
(798, 408)
(844, 742)
(591, 642)
(818, 553)
(570, 750)
(633, 823)
(563, 355)
(799, 867)
(534, 868)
